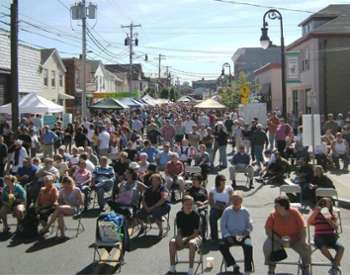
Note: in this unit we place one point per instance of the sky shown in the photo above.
(196, 36)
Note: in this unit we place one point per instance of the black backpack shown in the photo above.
(28, 227)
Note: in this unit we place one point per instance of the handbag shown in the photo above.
(277, 255)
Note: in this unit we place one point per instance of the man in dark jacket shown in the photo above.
(259, 140)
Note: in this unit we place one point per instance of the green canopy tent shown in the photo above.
(109, 104)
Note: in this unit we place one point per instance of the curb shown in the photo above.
(344, 203)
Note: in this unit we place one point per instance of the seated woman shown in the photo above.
(47, 200)
(285, 227)
(126, 201)
(326, 237)
(83, 178)
(60, 165)
(13, 201)
(155, 203)
(219, 198)
(70, 200)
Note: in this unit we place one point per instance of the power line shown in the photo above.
(63, 5)
(260, 6)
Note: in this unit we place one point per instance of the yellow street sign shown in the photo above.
(245, 93)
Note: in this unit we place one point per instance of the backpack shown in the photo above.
(110, 227)
(28, 227)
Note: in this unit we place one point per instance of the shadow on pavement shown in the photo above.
(4, 237)
(45, 243)
(91, 213)
(143, 242)
(17, 240)
(99, 268)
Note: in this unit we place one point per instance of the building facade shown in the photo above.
(323, 62)
(269, 80)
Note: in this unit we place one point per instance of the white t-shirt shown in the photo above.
(223, 197)
(103, 138)
(90, 166)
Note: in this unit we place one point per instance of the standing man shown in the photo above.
(48, 140)
(282, 132)
(188, 224)
(236, 227)
(103, 142)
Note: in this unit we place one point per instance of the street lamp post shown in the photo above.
(229, 71)
(265, 42)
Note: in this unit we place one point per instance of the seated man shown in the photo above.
(187, 223)
(236, 226)
(276, 169)
(241, 163)
(173, 173)
(103, 179)
(26, 173)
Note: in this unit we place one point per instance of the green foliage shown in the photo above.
(164, 93)
(151, 92)
(230, 97)
(173, 95)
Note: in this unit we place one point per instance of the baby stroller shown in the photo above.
(111, 239)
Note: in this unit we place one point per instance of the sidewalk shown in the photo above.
(342, 184)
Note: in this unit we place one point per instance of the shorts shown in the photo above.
(329, 241)
(197, 241)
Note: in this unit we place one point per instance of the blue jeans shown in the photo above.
(258, 152)
(223, 156)
(272, 140)
(101, 188)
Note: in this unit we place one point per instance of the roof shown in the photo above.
(338, 24)
(94, 64)
(328, 12)
(210, 104)
(268, 67)
(47, 53)
(272, 54)
(125, 68)
(109, 104)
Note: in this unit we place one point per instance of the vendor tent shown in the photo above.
(109, 104)
(149, 100)
(131, 103)
(210, 104)
(33, 104)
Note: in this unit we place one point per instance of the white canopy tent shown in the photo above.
(33, 104)
(210, 104)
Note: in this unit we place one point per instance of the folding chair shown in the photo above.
(198, 262)
(78, 229)
(223, 266)
(165, 220)
(333, 194)
(292, 189)
(313, 250)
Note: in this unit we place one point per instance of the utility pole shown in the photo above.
(81, 12)
(160, 58)
(14, 65)
(83, 98)
(168, 76)
(129, 41)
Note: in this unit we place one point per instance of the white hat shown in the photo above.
(134, 165)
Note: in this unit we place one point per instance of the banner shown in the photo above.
(245, 94)
(49, 120)
(292, 67)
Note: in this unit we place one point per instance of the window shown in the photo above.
(304, 60)
(46, 77)
(295, 102)
(53, 79)
(61, 80)
(308, 101)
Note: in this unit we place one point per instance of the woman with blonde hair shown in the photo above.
(70, 200)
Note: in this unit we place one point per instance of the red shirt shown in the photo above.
(174, 169)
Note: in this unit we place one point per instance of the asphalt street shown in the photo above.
(148, 256)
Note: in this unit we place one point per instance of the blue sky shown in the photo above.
(196, 36)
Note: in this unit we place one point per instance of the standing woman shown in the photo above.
(219, 198)
(13, 199)
(179, 130)
(70, 200)
(68, 137)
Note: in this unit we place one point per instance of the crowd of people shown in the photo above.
(135, 163)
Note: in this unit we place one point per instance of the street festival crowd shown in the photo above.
(135, 163)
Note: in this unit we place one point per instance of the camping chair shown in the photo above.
(313, 249)
(198, 262)
(107, 248)
(149, 221)
(292, 189)
(333, 194)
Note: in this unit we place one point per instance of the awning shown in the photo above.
(210, 104)
(62, 95)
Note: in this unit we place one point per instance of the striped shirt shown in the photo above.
(322, 226)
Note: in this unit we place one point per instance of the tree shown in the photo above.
(173, 95)
(230, 97)
(150, 92)
(164, 93)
